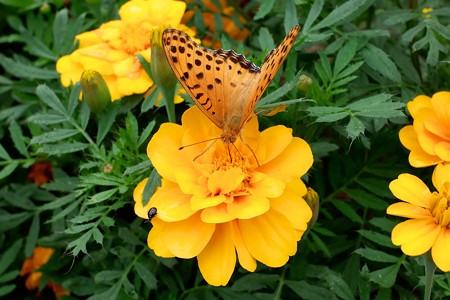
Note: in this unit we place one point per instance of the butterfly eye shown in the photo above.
(152, 212)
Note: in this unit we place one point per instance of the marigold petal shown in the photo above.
(436, 127)
(411, 189)
(439, 252)
(441, 175)
(249, 206)
(443, 150)
(441, 105)
(246, 260)
(418, 103)
(225, 181)
(155, 239)
(415, 236)
(418, 158)
(293, 162)
(172, 204)
(427, 141)
(163, 147)
(187, 238)
(266, 186)
(293, 206)
(216, 214)
(187, 179)
(270, 238)
(198, 203)
(408, 210)
(274, 140)
(217, 261)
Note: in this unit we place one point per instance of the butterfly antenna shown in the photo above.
(207, 148)
(214, 139)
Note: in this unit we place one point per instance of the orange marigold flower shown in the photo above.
(228, 24)
(428, 138)
(40, 172)
(429, 214)
(112, 48)
(40, 257)
(223, 203)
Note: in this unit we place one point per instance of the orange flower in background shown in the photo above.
(40, 173)
(40, 257)
(112, 48)
(228, 24)
(428, 138)
(223, 203)
(429, 214)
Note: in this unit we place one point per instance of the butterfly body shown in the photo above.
(225, 85)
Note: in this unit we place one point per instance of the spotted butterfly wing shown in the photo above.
(223, 84)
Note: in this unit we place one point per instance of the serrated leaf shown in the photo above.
(46, 119)
(6, 289)
(60, 28)
(290, 15)
(344, 56)
(254, 282)
(146, 132)
(107, 276)
(265, 39)
(59, 202)
(106, 120)
(49, 97)
(264, 9)
(376, 237)
(112, 292)
(367, 200)
(143, 165)
(9, 255)
(344, 13)
(313, 13)
(8, 169)
(376, 255)
(102, 196)
(22, 70)
(84, 114)
(79, 245)
(9, 276)
(280, 92)
(18, 138)
(147, 277)
(409, 35)
(80, 228)
(33, 235)
(150, 100)
(62, 148)
(9, 221)
(65, 211)
(53, 136)
(347, 211)
(74, 98)
(385, 277)
(379, 61)
(98, 236)
(3, 153)
(37, 47)
(309, 292)
(354, 128)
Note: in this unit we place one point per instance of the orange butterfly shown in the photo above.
(225, 85)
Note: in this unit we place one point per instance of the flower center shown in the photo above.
(440, 208)
(227, 160)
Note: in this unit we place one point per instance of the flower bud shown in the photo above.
(95, 90)
(162, 73)
(312, 199)
(304, 83)
(45, 8)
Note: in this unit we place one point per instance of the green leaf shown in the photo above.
(98, 236)
(147, 277)
(79, 245)
(280, 92)
(154, 181)
(347, 210)
(83, 117)
(9, 255)
(106, 120)
(379, 61)
(321, 149)
(65, 211)
(344, 13)
(3, 153)
(62, 148)
(33, 235)
(37, 47)
(74, 98)
(313, 13)
(60, 28)
(8, 169)
(9, 276)
(265, 39)
(22, 70)
(80, 228)
(264, 9)
(141, 166)
(112, 292)
(18, 138)
(150, 100)
(377, 237)
(376, 255)
(409, 35)
(354, 128)
(254, 282)
(107, 276)
(49, 97)
(367, 200)
(146, 132)
(9, 221)
(399, 16)
(59, 202)
(6, 289)
(309, 292)
(53, 136)
(344, 56)
(385, 277)
(46, 119)
(102, 196)
(290, 15)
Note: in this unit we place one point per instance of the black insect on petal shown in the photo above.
(152, 212)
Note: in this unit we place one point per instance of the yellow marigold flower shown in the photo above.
(426, 12)
(216, 206)
(228, 24)
(428, 138)
(40, 257)
(429, 214)
(112, 48)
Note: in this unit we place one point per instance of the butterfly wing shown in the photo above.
(272, 62)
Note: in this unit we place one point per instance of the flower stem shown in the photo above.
(430, 267)
(169, 95)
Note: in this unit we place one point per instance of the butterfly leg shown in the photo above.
(206, 149)
(253, 152)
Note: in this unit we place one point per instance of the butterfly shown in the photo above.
(225, 85)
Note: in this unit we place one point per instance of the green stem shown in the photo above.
(169, 95)
(280, 284)
(430, 267)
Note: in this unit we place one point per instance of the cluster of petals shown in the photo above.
(428, 212)
(428, 138)
(218, 202)
(112, 48)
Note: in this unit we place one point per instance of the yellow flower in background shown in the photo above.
(426, 12)
(40, 257)
(429, 214)
(223, 203)
(112, 48)
(228, 24)
(428, 138)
